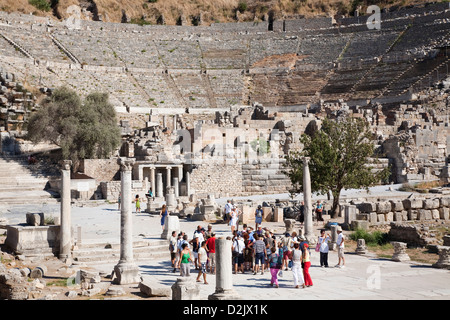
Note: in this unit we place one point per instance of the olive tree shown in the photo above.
(83, 129)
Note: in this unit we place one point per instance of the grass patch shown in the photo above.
(58, 283)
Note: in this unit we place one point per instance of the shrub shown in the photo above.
(371, 238)
(242, 6)
(42, 5)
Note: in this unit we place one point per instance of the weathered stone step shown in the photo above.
(105, 252)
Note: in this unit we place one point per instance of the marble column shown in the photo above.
(174, 123)
(65, 244)
(159, 185)
(176, 186)
(126, 270)
(168, 176)
(309, 234)
(224, 272)
(188, 183)
(180, 173)
(152, 180)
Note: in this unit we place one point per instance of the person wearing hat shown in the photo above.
(258, 217)
(340, 243)
(306, 264)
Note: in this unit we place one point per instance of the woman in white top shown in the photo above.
(324, 248)
(234, 218)
(296, 257)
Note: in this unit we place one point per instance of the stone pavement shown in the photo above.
(364, 277)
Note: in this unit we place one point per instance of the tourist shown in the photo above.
(228, 208)
(173, 248)
(274, 266)
(286, 245)
(260, 231)
(258, 217)
(341, 246)
(200, 234)
(260, 254)
(163, 215)
(137, 200)
(294, 238)
(208, 232)
(184, 260)
(302, 242)
(238, 253)
(248, 252)
(233, 219)
(211, 246)
(195, 247)
(319, 209)
(302, 213)
(150, 194)
(306, 264)
(202, 259)
(324, 248)
(270, 243)
(296, 258)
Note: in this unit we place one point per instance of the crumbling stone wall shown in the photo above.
(415, 235)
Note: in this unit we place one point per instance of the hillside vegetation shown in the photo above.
(211, 11)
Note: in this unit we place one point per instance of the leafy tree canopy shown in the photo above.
(339, 154)
(83, 129)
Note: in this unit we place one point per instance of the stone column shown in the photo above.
(65, 244)
(152, 180)
(400, 254)
(159, 185)
(176, 186)
(168, 176)
(224, 273)
(126, 270)
(444, 258)
(180, 173)
(174, 123)
(309, 234)
(334, 236)
(188, 183)
(361, 247)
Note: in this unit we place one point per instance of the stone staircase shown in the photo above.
(98, 253)
(19, 184)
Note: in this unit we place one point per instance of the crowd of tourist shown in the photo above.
(254, 251)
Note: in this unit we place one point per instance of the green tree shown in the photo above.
(339, 154)
(83, 129)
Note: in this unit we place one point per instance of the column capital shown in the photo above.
(65, 164)
(126, 164)
(306, 160)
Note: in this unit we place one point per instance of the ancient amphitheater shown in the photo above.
(238, 82)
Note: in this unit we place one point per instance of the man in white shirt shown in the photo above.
(340, 243)
(203, 259)
(228, 208)
(238, 254)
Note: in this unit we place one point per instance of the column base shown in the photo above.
(225, 295)
(126, 273)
